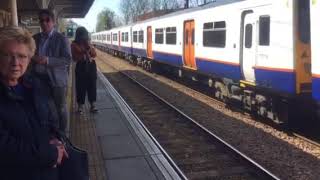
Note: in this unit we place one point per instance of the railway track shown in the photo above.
(204, 91)
(304, 138)
(199, 153)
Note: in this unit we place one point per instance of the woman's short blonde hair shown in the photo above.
(17, 34)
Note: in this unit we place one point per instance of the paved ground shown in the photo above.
(117, 144)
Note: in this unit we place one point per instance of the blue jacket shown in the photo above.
(59, 54)
(25, 152)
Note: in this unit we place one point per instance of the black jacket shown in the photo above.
(25, 152)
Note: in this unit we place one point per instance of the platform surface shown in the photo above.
(119, 147)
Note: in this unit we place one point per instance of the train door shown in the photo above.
(303, 47)
(249, 48)
(188, 47)
(149, 43)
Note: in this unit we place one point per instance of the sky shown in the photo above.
(90, 19)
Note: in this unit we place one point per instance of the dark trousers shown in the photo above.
(86, 81)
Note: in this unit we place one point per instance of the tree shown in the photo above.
(127, 10)
(105, 20)
(131, 9)
(195, 3)
(139, 7)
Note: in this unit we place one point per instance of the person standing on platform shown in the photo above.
(28, 149)
(86, 70)
(52, 61)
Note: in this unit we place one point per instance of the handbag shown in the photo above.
(76, 166)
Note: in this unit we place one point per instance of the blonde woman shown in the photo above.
(27, 148)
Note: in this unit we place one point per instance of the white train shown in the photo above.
(254, 52)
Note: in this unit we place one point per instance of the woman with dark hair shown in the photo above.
(86, 70)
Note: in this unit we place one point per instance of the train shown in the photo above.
(261, 55)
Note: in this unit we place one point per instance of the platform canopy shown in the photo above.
(62, 8)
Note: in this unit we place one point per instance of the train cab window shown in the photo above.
(214, 34)
(135, 36)
(264, 30)
(171, 35)
(141, 36)
(115, 37)
(126, 37)
(159, 36)
(248, 36)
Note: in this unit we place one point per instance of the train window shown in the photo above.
(122, 37)
(214, 34)
(192, 40)
(208, 25)
(159, 36)
(126, 37)
(108, 37)
(248, 36)
(304, 21)
(171, 35)
(141, 36)
(115, 37)
(104, 37)
(264, 30)
(186, 35)
(135, 36)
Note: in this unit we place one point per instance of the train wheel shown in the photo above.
(220, 91)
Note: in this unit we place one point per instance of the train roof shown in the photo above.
(209, 5)
(206, 6)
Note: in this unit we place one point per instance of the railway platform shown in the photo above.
(119, 148)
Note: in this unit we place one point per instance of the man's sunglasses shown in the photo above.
(44, 20)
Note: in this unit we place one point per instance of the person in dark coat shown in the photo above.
(86, 71)
(28, 149)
